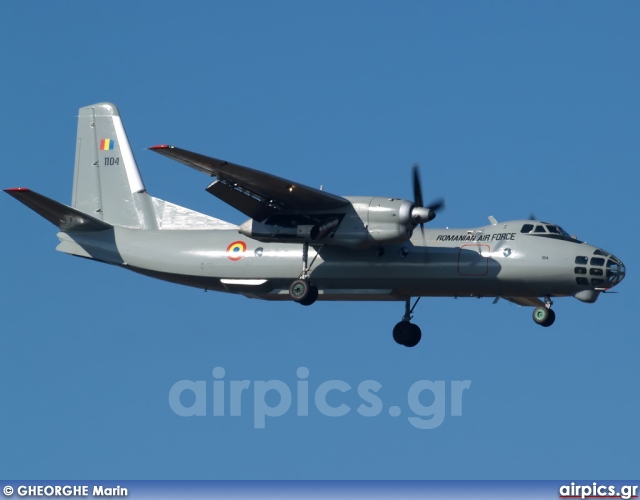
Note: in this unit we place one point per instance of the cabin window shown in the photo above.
(597, 261)
(582, 260)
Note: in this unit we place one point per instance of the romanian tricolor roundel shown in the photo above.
(236, 250)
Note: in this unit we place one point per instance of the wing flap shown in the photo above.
(64, 217)
(247, 204)
(273, 193)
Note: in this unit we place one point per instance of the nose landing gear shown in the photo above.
(544, 315)
(406, 333)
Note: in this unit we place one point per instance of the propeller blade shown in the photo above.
(417, 188)
(421, 214)
(437, 205)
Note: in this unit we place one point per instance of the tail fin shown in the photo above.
(107, 184)
(107, 188)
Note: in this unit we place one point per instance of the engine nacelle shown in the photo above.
(377, 221)
(368, 221)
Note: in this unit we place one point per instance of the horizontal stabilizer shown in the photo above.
(64, 217)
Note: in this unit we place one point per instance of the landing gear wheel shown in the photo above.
(551, 318)
(544, 316)
(415, 334)
(303, 292)
(400, 332)
(312, 296)
(407, 334)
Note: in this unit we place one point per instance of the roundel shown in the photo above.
(236, 249)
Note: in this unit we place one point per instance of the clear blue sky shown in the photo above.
(509, 107)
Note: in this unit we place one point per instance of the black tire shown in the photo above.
(551, 318)
(415, 334)
(311, 297)
(407, 334)
(401, 332)
(299, 290)
(544, 316)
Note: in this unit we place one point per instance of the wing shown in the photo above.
(256, 194)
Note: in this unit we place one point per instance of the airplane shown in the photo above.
(305, 244)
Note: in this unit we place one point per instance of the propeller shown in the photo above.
(419, 213)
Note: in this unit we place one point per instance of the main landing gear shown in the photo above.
(301, 290)
(406, 333)
(544, 315)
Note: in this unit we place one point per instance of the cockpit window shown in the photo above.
(597, 261)
(551, 230)
(582, 260)
(601, 252)
(615, 271)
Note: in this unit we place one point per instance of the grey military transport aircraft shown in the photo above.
(305, 244)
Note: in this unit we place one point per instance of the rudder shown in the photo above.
(107, 184)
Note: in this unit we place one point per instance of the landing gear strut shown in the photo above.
(301, 291)
(406, 333)
(544, 315)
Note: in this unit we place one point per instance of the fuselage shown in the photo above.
(303, 244)
(510, 259)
